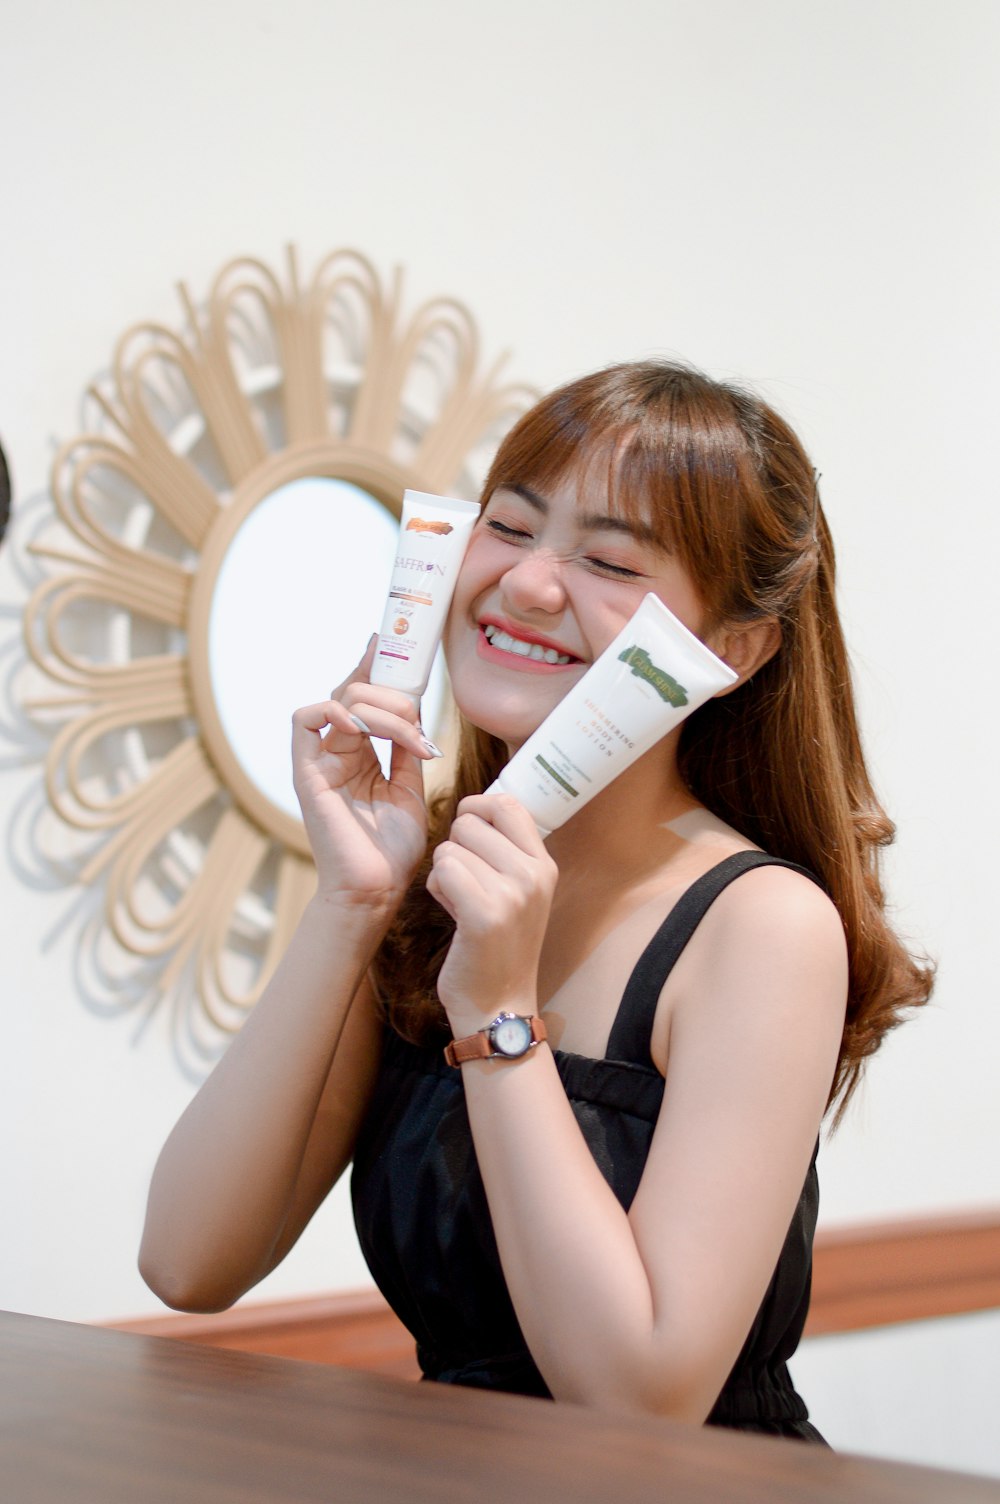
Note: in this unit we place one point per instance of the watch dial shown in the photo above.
(512, 1035)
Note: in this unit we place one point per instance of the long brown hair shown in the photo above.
(729, 489)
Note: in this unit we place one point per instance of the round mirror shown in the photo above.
(299, 590)
(223, 534)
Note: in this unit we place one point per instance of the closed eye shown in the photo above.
(519, 535)
(618, 570)
(503, 531)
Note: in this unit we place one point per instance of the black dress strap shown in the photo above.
(632, 1030)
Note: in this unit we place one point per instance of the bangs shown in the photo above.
(660, 444)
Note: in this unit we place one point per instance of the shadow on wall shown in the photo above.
(44, 853)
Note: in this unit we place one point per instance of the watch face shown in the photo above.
(510, 1034)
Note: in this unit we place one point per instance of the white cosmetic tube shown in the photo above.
(653, 675)
(434, 532)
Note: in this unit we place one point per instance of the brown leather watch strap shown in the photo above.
(479, 1046)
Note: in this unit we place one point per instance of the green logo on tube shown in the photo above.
(643, 667)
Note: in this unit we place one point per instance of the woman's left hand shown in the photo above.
(495, 878)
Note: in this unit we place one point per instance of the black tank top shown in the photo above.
(424, 1224)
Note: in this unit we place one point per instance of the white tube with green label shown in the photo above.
(653, 675)
(434, 532)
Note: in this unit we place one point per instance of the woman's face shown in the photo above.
(547, 582)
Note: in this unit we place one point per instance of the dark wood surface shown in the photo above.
(90, 1416)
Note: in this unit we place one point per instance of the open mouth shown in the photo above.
(503, 642)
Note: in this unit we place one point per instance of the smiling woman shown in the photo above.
(550, 551)
(581, 1080)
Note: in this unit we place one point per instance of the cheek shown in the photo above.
(681, 596)
(689, 610)
(485, 562)
(482, 554)
(468, 587)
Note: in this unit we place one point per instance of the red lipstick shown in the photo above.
(517, 662)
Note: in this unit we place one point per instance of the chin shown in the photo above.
(507, 718)
(504, 703)
(512, 730)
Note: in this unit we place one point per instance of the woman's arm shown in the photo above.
(272, 1128)
(648, 1310)
(274, 1125)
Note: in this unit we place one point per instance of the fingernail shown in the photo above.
(434, 751)
(361, 725)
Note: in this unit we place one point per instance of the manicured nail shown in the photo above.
(361, 725)
(434, 751)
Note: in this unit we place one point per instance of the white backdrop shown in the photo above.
(797, 194)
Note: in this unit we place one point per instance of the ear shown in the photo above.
(746, 647)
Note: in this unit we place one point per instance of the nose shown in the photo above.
(535, 582)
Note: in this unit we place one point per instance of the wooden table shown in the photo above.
(89, 1416)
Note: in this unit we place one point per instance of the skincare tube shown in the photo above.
(653, 675)
(434, 533)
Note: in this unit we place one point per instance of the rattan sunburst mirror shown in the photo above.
(238, 477)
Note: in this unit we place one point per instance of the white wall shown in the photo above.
(800, 194)
(921, 1392)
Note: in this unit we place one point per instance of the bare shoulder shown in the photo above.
(775, 906)
(772, 931)
(768, 958)
(779, 905)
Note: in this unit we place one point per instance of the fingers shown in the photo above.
(461, 883)
(362, 671)
(329, 727)
(383, 712)
(407, 770)
(378, 710)
(314, 719)
(505, 816)
(324, 726)
(493, 839)
(439, 893)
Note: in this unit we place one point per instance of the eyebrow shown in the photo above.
(600, 522)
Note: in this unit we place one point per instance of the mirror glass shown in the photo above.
(300, 590)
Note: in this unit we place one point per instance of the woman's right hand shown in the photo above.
(367, 833)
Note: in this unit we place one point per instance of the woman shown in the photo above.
(621, 1215)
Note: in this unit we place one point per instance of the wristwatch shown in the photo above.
(509, 1036)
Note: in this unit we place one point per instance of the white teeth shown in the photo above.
(508, 644)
